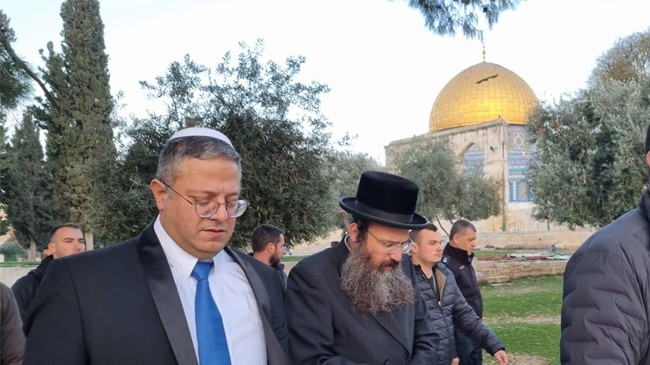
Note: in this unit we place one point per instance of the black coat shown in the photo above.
(460, 263)
(606, 299)
(325, 329)
(25, 288)
(448, 311)
(119, 305)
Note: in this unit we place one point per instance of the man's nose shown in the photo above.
(221, 214)
(396, 255)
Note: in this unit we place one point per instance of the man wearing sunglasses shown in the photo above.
(176, 294)
(357, 302)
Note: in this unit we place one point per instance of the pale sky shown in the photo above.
(384, 67)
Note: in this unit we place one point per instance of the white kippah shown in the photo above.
(201, 132)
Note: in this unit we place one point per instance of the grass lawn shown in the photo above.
(525, 314)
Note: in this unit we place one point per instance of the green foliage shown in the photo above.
(274, 123)
(590, 167)
(446, 193)
(448, 17)
(11, 250)
(129, 194)
(13, 87)
(25, 186)
(80, 148)
(4, 226)
(627, 60)
(14, 84)
(342, 171)
(590, 164)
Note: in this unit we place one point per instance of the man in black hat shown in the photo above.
(357, 302)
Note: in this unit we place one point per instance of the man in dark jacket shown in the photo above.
(458, 256)
(268, 248)
(447, 306)
(605, 307)
(64, 240)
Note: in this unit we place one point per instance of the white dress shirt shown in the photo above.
(231, 292)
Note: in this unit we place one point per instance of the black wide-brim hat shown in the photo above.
(386, 199)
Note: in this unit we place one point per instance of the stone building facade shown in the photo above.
(482, 113)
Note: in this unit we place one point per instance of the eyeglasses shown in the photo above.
(206, 208)
(390, 247)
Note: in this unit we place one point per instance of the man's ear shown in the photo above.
(354, 233)
(414, 248)
(647, 159)
(270, 247)
(159, 191)
(51, 248)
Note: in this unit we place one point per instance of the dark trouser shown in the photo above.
(468, 352)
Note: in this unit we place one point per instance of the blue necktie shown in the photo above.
(213, 346)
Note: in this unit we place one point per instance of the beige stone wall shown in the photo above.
(494, 272)
(493, 139)
(9, 275)
(503, 271)
(563, 239)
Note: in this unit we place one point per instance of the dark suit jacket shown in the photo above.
(119, 305)
(324, 328)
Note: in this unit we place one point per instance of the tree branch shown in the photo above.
(23, 66)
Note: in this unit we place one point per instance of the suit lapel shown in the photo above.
(263, 302)
(274, 351)
(394, 322)
(163, 290)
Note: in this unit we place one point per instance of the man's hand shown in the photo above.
(501, 357)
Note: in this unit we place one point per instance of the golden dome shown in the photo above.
(482, 93)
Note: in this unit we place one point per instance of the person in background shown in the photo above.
(447, 307)
(64, 240)
(357, 302)
(176, 294)
(457, 256)
(605, 307)
(268, 248)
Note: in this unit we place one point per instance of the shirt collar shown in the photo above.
(178, 258)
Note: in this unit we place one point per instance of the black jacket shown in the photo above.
(25, 288)
(460, 263)
(448, 311)
(279, 269)
(606, 299)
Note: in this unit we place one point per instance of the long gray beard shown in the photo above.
(374, 290)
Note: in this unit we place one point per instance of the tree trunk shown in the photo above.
(88, 236)
(31, 251)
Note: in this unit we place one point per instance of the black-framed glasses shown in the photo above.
(390, 247)
(206, 208)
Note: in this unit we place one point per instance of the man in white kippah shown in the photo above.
(176, 294)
